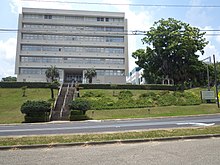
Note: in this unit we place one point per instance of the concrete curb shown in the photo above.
(109, 142)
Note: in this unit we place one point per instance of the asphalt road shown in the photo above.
(187, 152)
(107, 125)
(94, 126)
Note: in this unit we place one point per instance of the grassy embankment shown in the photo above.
(11, 101)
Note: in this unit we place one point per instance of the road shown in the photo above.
(107, 125)
(189, 152)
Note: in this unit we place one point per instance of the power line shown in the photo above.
(128, 4)
(125, 32)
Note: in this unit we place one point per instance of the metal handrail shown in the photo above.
(55, 103)
(64, 102)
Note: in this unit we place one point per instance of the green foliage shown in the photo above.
(171, 52)
(9, 79)
(125, 94)
(77, 115)
(24, 90)
(35, 107)
(21, 84)
(80, 104)
(35, 111)
(93, 94)
(90, 73)
(125, 99)
(52, 73)
(129, 86)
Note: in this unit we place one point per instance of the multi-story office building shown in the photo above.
(73, 41)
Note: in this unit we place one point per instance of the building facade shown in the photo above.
(73, 41)
(135, 76)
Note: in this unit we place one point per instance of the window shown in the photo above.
(106, 19)
(47, 16)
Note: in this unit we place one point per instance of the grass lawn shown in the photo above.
(153, 112)
(11, 100)
(56, 139)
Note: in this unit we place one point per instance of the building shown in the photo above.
(135, 76)
(73, 41)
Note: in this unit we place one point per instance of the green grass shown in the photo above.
(56, 139)
(11, 100)
(154, 112)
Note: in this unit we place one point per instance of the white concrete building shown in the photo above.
(135, 76)
(72, 41)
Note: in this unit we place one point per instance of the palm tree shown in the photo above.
(52, 73)
(90, 73)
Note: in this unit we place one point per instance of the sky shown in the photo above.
(139, 18)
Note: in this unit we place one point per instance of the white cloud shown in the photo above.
(7, 57)
(16, 5)
(211, 50)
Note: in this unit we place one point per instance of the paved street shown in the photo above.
(201, 152)
(107, 125)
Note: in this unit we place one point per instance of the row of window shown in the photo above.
(38, 71)
(72, 28)
(72, 18)
(72, 60)
(72, 49)
(72, 38)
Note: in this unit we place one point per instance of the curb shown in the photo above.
(110, 142)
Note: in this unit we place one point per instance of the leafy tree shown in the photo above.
(52, 73)
(90, 73)
(9, 78)
(53, 85)
(171, 51)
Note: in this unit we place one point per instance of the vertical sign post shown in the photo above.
(216, 85)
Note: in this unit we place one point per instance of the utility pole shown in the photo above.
(216, 85)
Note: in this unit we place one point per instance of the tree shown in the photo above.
(171, 51)
(52, 73)
(53, 85)
(90, 73)
(9, 78)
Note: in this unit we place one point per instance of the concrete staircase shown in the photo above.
(61, 109)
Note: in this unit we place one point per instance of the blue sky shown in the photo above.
(139, 18)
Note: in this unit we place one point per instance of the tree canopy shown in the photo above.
(171, 51)
(9, 78)
(52, 73)
(89, 74)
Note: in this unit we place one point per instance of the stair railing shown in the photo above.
(64, 102)
(55, 103)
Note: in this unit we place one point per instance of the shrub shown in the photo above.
(80, 104)
(35, 107)
(129, 86)
(76, 115)
(125, 94)
(35, 111)
(21, 84)
(93, 94)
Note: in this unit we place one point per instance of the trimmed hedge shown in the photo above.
(21, 84)
(129, 86)
(35, 111)
(77, 115)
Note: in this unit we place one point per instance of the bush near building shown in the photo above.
(78, 109)
(36, 111)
